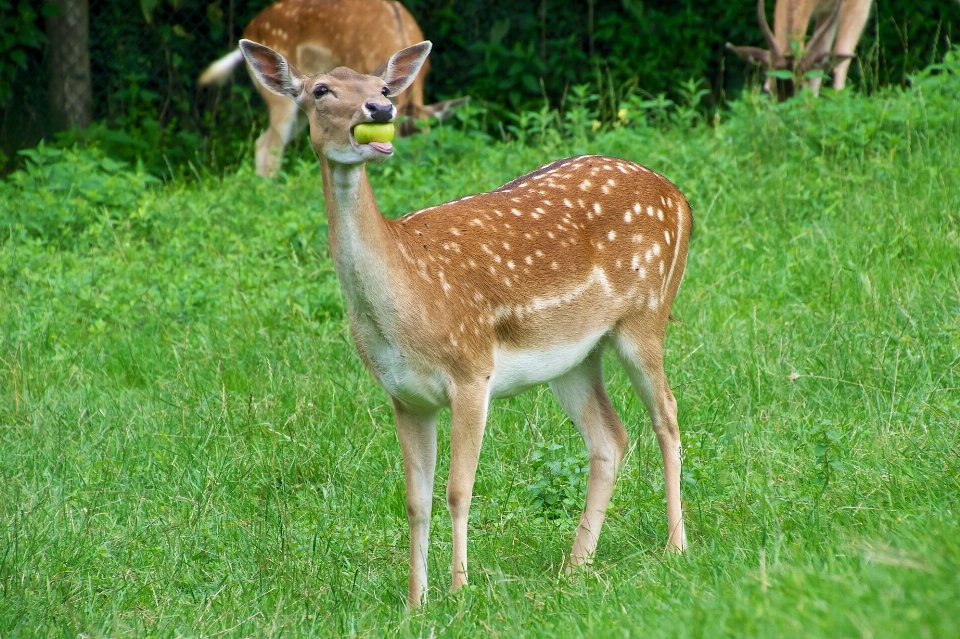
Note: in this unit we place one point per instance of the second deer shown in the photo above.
(494, 293)
(318, 36)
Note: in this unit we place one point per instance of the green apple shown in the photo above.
(373, 132)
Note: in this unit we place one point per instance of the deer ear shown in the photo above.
(752, 54)
(401, 70)
(272, 70)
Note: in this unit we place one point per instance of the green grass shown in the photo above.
(190, 446)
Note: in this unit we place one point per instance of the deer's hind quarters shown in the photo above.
(531, 288)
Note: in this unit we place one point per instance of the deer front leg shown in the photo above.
(283, 126)
(418, 441)
(468, 416)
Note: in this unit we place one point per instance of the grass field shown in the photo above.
(190, 446)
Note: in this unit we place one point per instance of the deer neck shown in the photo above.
(360, 241)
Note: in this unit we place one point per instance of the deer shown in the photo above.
(319, 35)
(491, 294)
(838, 26)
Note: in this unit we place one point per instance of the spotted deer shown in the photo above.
(494, 293)
(838, 26)
(318, 36)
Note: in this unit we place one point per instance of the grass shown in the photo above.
(189, 445)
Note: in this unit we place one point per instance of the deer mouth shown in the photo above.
(384, 147)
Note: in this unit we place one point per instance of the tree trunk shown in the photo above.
(69, 57)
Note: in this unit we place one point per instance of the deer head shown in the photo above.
(788, 60)
(330, 100)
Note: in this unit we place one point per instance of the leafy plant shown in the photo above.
(61, 192)
(558, 483)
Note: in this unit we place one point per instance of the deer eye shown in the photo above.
(320, 90)
(385, 91)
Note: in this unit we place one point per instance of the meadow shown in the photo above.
(190, 446)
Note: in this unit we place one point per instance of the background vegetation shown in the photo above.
(189, 444)
(510, 56)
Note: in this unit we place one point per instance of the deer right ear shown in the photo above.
(402, 69)
(272, 70)
(752, 54)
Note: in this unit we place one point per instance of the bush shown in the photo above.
(61, 192)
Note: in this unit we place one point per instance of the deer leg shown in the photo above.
(418, 442)
(581, 394)
(853, 18)
(270, 144)
(643, 362)
(468, 416)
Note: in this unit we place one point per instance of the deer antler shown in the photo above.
(818, 48)
(775, 53)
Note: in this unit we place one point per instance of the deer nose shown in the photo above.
(380, 112)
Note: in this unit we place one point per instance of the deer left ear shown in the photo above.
(752, 54)
(402, 69)
(272, 70)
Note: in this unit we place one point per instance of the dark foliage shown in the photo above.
(509, 56)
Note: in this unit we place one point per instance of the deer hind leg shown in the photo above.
(283, 125)
(582, 395)
(853, 18)
(643, 361)
(418, 442)
(468, 417)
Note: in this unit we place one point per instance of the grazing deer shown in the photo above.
(839, 24)
(494, 293)
(318, 36)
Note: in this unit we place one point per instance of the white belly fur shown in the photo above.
(514, 371)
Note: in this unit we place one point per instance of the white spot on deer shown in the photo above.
(612, 235)
(619, 263)
(550, 234)
(528, 259)
(585, 185)
(486, 249)
(540, 211)
(599, 246)
(506, 281)
(528, 236)
(662, 201)
(548, 202)
(472, 263)
(653, 303)
(493, 271)
(635, 262)
(669, 202)
(476, 222)
(661, 267)
(627, 217)
(510, 264)
(553, 265)
(648, 256)
(642, 272)
(660, 215)
(596, 208)
(656, 249)
(666, 236)
(621, 169)
(535, 216)
(538, 253)
(455, 231)
(580, 202)
(506, 246)
(567, 203)
(650, 211)
(605, 189)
